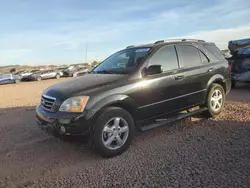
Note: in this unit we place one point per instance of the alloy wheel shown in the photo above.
(216, 100)
(115, 133)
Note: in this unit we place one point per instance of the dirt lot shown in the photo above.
(204, 153)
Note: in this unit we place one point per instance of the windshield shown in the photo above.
(122, 62)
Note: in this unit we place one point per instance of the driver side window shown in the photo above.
(166, 57)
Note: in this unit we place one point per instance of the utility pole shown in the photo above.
(86, 52)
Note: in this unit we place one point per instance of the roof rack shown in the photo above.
(131, 46)
(178, 40)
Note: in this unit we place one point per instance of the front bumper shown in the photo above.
(63, 123)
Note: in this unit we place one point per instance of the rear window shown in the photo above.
(204, 58)
(214, 50)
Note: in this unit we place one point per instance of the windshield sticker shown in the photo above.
(142, 50)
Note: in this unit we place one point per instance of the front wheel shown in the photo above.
(215, 100)
(113, 132)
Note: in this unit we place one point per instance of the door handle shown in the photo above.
(210, 70)
(179, 77)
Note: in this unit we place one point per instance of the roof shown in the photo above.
(168, 41)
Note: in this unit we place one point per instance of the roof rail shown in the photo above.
(159, 41)
(131, 46)
(178, 40)
(195, 40)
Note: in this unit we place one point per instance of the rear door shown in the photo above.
(45, 74)
(198, 70)
(162, 93)
(52, 74)
(48, 74)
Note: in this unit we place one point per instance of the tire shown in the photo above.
(212, 112)
(99, 136)
(39, 79)
(17, 81)
(233, 83)
(58, 76)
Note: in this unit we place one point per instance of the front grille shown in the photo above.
(47, 102)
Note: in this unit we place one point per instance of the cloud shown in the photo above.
(13, 56)
(64, 33)
(222, 36)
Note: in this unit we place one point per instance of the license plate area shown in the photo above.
(45, 126)
(44, 118)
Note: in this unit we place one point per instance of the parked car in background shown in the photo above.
(240, 60)
(45, 74)
(80, 72)
(9, 79)
(25, 75)
(137, 88)
(62, 71)
(70, 70)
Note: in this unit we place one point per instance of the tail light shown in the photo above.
(229, 67)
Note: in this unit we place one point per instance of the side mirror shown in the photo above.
(154, 69)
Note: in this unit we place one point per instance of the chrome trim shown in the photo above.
(50, 104)
(46, 96)
(171, 99)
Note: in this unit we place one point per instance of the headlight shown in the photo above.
(74, 104)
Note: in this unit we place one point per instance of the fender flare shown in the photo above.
(215, 78)
(119, 100)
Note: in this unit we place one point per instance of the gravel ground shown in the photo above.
(191, 153)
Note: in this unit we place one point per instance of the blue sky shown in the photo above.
(56, 31)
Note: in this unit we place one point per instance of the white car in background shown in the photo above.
(80, 72)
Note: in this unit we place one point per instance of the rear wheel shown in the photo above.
(215, 100)
(39, 78)
(17, 81)
(113, 132)
(58, 76)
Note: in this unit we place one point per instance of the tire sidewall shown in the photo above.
(101, 120)
(208, 103)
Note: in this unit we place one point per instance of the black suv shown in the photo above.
(140, 87)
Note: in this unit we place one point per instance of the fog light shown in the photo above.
(63, 129)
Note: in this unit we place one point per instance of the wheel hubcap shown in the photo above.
(216, 100)
(115, 133)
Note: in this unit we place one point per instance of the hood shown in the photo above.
(77, 85)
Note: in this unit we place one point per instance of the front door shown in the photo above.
(163, 93)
